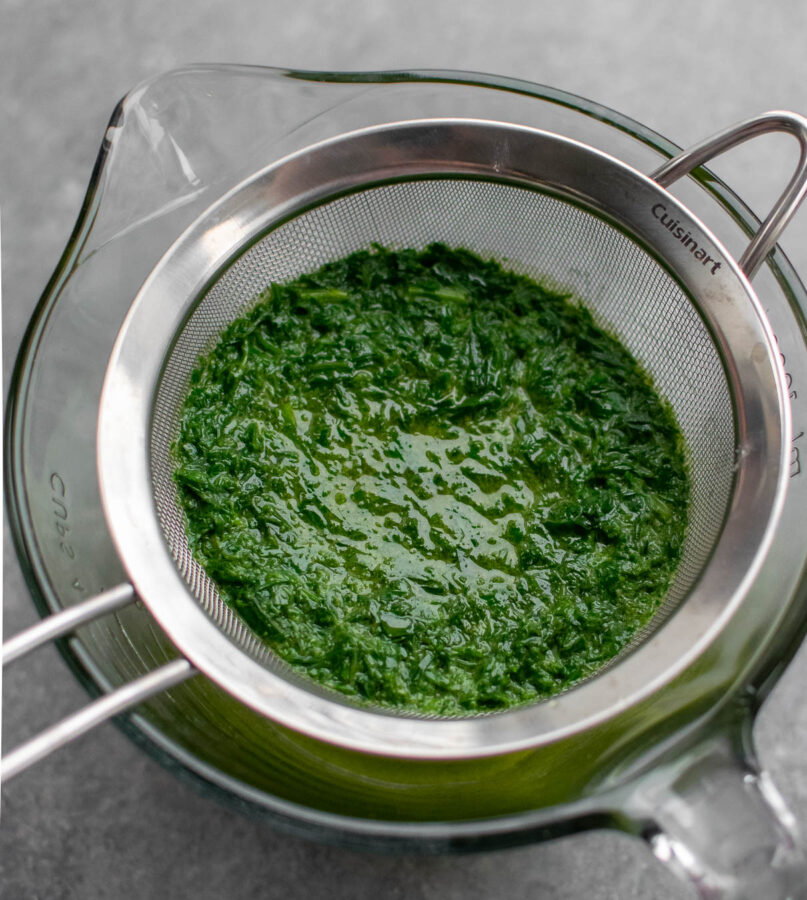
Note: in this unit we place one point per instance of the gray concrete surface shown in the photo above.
(100, 819)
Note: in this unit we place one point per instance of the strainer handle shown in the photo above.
(720, 824)
(100, 710)
(787, 204)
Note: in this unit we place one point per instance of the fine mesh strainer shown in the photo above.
(544, 205)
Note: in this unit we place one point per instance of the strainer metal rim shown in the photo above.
(433, 148)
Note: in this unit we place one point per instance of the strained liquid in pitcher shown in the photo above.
(431, 484)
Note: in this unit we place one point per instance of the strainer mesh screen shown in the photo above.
(554, 241)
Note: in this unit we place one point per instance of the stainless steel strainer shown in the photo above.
(543, 205)
(556, 209)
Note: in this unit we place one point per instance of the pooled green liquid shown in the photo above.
(431, 484)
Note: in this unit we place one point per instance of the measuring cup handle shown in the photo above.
(100, 710)
(720, 824)
(787, 204)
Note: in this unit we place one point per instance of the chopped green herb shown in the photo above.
(430, 483)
